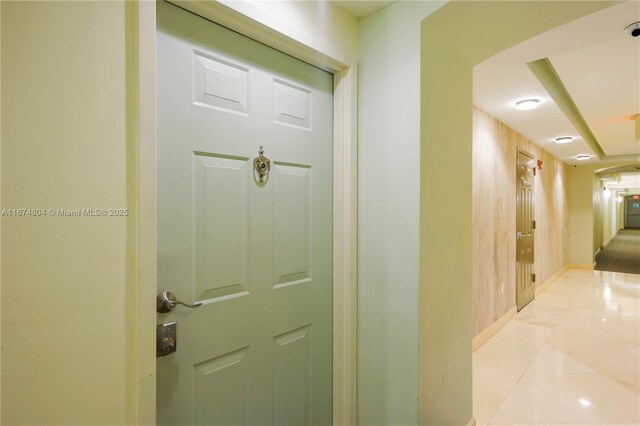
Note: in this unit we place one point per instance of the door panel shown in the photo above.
(219, 84)
(257, 255)
(291, 377)
(292, 104)
(228, 405)
(524, 230)
(293, 214)
(221, 237)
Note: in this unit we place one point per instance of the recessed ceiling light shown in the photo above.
(564, 139)
(527, 104)
(583, 157)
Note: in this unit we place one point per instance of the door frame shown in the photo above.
(533, 195)
(140, 34)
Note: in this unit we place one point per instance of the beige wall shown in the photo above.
(64, 279)
(495, 147)
(598, 213)
(610, 217)
(581, 215)
(585, 212)
(610, 212)
(328, 29)
(620, 215)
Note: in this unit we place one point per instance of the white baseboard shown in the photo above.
(488, 332)
(586, 266)
(550, 281)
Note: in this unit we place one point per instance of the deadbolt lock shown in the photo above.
(167, 346)
(166, 339)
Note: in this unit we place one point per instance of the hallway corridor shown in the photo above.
(571, 357)
(622, 254)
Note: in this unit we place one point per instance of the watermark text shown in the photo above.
(60, 212)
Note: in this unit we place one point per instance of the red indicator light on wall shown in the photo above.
(635, 197)
(540, 164)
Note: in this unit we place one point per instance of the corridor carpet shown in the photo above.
(622, 254)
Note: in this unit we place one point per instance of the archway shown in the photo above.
(454, 39)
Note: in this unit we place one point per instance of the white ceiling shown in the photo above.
(622, 179)
(361, 8)
(599, 64)
(628, 180)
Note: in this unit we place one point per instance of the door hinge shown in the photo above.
(533, 224)
(533, 278)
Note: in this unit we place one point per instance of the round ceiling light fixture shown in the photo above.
(583, 157)
(564, 139)
(526, 104)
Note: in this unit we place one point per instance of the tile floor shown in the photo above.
(570, 357)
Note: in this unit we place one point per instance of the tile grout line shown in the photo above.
(565, 312)
(524, 373)
(588, 331)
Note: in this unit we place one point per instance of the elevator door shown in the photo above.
(524, 230)
(633, 213)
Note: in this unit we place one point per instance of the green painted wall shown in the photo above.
(445, 237)
(388, 201)
(64, 279)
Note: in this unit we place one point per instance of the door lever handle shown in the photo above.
(520, 235)
(166, 302)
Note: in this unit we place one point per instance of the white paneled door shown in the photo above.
(256, 255)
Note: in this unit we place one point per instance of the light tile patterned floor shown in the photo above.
(571, 357)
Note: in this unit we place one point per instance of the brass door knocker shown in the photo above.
(262, 165)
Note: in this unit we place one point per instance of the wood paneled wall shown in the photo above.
(495, 146)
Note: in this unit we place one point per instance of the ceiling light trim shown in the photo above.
(527, 104)
(564, 139)
(544, 71)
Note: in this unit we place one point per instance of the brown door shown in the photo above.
(525, 226)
